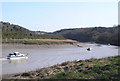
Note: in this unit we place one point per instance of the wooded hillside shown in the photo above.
(96, 34)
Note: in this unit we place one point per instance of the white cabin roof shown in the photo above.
(16, 52)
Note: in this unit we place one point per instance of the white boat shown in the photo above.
(17, 55)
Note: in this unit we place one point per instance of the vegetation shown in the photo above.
(38, 41)
(96, 34)
(10, 31)
(104, 68)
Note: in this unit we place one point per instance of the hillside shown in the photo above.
(94, 34)
(11, 31)
(104, 35)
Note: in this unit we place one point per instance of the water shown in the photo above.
(45, 56)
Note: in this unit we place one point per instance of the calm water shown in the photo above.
(41, 56)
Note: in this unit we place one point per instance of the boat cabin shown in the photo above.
(16, 54)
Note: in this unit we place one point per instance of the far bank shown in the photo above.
(38, 41)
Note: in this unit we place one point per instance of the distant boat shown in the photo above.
(17, 55)
(89, 49)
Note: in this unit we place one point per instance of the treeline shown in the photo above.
(11, 31)
(96, 34)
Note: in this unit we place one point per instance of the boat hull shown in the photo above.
(16, 58)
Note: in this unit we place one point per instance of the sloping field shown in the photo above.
(56, 40)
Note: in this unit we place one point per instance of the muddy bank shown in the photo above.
(44, 46)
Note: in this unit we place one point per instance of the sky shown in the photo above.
(52, 16)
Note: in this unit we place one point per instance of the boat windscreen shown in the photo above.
(11, 54)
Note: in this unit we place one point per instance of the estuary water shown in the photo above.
(40, 56)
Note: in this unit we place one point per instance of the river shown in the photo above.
(47, 55)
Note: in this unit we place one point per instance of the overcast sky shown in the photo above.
(52, 16)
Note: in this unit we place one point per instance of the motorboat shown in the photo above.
(17, 55)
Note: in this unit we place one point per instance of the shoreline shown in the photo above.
(83, 69)
(43, 46)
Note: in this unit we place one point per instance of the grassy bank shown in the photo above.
(104, 68)
(38, 41)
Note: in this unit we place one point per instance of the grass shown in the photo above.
(38, 41)
(103, 68)
(100, 69)
(107, 68)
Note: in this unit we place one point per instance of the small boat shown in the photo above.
(88, 49)
(17, 55)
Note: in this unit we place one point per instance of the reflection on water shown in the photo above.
(39, 57)
(17, 61)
